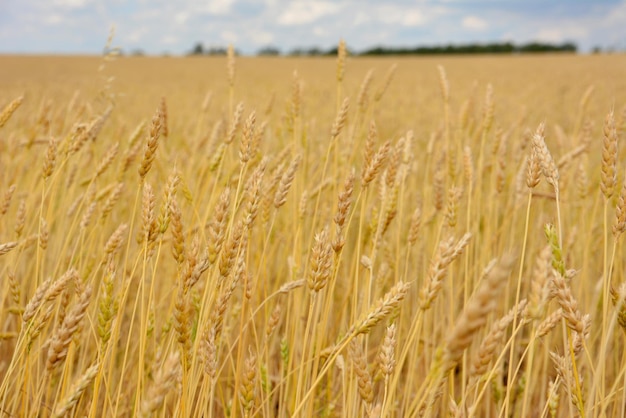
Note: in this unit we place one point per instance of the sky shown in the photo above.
(175, 26)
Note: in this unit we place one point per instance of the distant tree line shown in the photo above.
(475, 48)
(200, 49)
(472, 48)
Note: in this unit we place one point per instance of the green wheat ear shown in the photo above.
(284, 352)
(557, 253)
(266, 384)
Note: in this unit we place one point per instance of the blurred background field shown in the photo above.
(543, 86)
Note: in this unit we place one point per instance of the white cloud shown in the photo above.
(474, 23)
(53, 19)
(617, 15)
(260, 37)
(169, 40)
(361, 18)
(413, 18)
(319, 31)
(147, 14)
(71, 4)
(137, 35)
(550, 35)
(610, 31)
(218, 7)
(181, 18)
(302, 12)
(561, 35)
(229, 36)
(395, 15)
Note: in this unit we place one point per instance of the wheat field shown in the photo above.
(337, 237)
